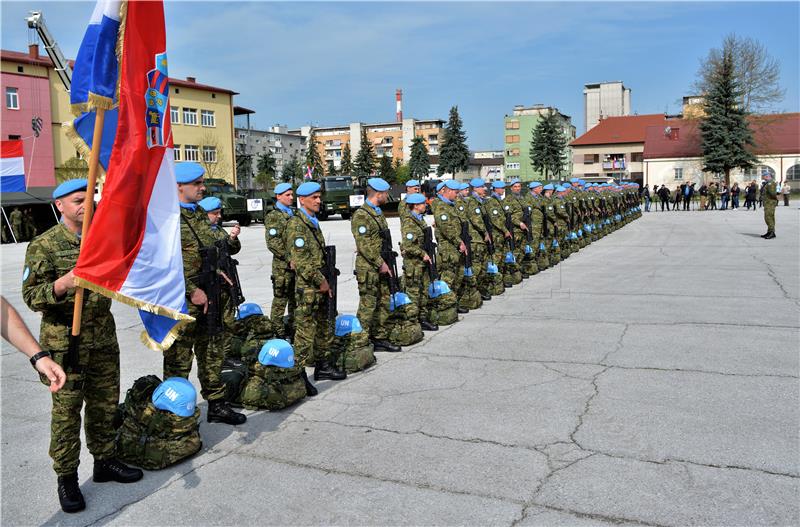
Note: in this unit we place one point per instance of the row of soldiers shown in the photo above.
(486, 243)
(23, 226)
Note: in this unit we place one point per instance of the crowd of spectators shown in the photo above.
(714, 196)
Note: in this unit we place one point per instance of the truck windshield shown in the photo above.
(217, 189)
(339, 185)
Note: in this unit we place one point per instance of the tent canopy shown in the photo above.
(34, 196)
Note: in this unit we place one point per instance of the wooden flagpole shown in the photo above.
(88, 208)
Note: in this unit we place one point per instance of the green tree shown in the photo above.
(347, 162)
(313, 159)
(386, 170)
(292, 171)
(365, 160)
(420, 162)
(266, 170)
(549, 146)
(454, 154)
(331, 168)
(724, 130)
(402, 174)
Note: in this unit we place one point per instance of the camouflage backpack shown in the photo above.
(151, 438)
(444, 310)
(404, 326)
(351, 358)
(272, 388)
(471, 297)
(251, 333)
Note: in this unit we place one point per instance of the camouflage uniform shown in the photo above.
(283, 282)
(16, 224)
(415, 271)
(226, 302)
(528, 262)
(196, 233)
(562, 219)
(305, 248)
(538, 205)
(473, 208)
(770, 193)
(496, 213)
(553, 231)
(448, 236)
(368, 226)
(96, 381)
(469, 295)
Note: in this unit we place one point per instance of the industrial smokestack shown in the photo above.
(399, 99)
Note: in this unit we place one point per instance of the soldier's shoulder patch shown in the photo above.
(494, 211)
(409, 236)
(26, 273)
(273, 232)
(299, 242)
(443, 217)
(461, 207)
(506, 207)
(362, 229)
(477, 210)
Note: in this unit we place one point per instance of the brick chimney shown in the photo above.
(191, 79)
(33, 51)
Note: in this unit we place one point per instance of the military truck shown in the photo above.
(336, 192)
(234, 204)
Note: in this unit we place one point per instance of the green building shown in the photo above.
(518, 131)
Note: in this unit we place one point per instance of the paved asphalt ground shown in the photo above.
(651, 379)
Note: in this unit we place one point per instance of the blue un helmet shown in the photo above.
(510, 259)
(175, 395)
(491, 267)
(347, 324)
(528, 249)
(468, 272)
(276, 352)
(399, 299)
(438, 288)
(248, 310)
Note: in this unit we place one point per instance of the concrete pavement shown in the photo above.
(651, 379)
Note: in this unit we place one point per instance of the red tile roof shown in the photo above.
(44, 60)
(774, 134)
(614, 130)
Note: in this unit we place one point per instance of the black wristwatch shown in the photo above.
(38, 356)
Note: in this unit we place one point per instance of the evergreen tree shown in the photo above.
(266, 170)
(454, 154)
(331, 168)
(292, 171)
(402, 174)
(313, 159)
(365, 160)
(420, 162)
(724, 129)
(385, 169)
(347, 162)
(549, 146)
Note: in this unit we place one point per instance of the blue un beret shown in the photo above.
(534, 184)
(412, 183)
(452, 184)
(415, 199)
(513, 182)
(308, 188)
(498, 184)
(378, 184)
(439, 186)
(477, 182)
(280, 188)
(574, 180)
(68, 187)
(210, 203)
(549, 186)
(188, 171)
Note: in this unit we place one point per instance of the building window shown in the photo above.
(12, 99)
(511, 152)
(588, 159)
(174, 115)
(433, 138)
(210, 154)
(20, 69)
(14, 137)
(177, 152)
(512, 139)
(190, 116)
(793, 172)
(678, 173)
(207, 118)
(190, 152)
(177, 90)
(512, 125)
(512, 166)
(637, 157)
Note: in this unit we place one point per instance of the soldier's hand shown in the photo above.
(199, 298)
(507, 234)
(235, 231)
(64, 284)
(384, 269)
(487, 238)
(462, 248)
(426, 259)
(325, 287)
(50, 369)
(523, 226)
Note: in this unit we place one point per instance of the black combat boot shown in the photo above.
(311, 390)
(115, 470)
(428, 326)
(769, 236)
(385, 345)
(486, 297)
(69, 493)
(219, 411)
(462, 310)
(326, 370)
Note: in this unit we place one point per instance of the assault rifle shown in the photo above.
(487, 224)
(210, 281)
(228, 266)
(512, 246)
(545, 229)
(331, 274)
(397, 297)
(527, 220)
(466, 237)
(429, 247)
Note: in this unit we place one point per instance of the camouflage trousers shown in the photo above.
(480, 259)
(415, 282)
(511, 272)
(98, 386)
(373, 305)
(451, 267)
(527, 262)
(313, 333)
(194, 340)
(283, 286)
(769, 214)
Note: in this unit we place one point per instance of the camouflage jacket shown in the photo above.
(494, 207)
(549, 210)
(275, 233)
(770, 192)
(475, 211)
(448, 224)
(513, 204)
(50, 256)
(535, 202)
(234, 245)
(402, 210)
(305, 247)
(466, 211)
(562, 217)
(366, 226)
(413, 236)
(15, 217)
(195, 233)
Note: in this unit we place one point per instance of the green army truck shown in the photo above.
(234, 204)
(336, 192)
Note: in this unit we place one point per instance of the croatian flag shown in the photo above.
(133, 250)
(12, 167)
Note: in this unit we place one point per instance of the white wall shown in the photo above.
(662, 171)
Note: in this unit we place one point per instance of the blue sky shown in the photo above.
(333, 63)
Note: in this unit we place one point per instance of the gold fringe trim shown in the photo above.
(99, 101)
(181, 318)
(123, 16)
(83, 148)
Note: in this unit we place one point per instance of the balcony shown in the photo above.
(614, 164)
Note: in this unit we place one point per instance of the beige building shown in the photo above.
(604, 99)
(389, 139)
(202, 115)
